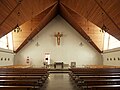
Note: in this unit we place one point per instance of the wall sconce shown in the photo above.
(37, 44)
(81, 44)
(89, 39)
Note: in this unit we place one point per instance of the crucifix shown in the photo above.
(58, 36)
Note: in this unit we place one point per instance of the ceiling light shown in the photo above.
(17, 29)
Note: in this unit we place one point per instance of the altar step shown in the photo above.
(59, 71)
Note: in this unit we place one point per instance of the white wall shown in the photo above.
(68, 51)
(6, 57)
(112, 57)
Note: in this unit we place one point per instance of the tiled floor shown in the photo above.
(59, 81)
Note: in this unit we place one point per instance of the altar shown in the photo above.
(58, 65)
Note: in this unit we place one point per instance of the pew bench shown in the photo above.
(21, 82)
(40, 78)
(22, 79)
(79, 78)
(23, 74)
(91, 82)
(96, 78)
(102, 87)
(93, 74)
(7, 87)
(43, 76)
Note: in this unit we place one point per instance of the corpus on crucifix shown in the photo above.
(58, 36)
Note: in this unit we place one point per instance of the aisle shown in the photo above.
(59, 81)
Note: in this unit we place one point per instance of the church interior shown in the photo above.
(60, 44)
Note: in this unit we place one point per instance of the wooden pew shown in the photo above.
(88, 78)
(29, 81)
(22, 78)
(7, 87)
(94, 72)
(103, 87)
(42, 79)
(21, 83)
(24, 72)
(93, 82)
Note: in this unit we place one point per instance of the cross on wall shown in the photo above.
(58, 36)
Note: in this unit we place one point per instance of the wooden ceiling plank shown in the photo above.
(10, 13)
(95, 15)
(25, 15)
(6, 5)
(49, 16)
(107, 14)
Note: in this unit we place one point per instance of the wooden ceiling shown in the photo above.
(86, 16)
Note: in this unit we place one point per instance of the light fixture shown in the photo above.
(89, 39)
(81, 44)
(103, 28)
(17, 27)
(37, 44)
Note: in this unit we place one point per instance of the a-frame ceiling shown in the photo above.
(86, 16)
